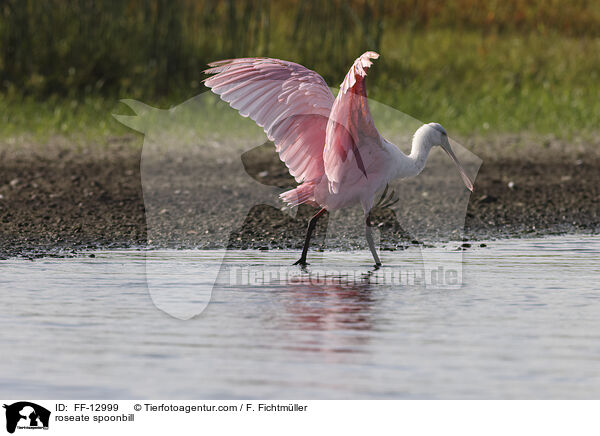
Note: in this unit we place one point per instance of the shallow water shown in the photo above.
(525, 324)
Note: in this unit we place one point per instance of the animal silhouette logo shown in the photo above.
(26, 415)
(200, 188)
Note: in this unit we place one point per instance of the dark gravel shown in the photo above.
(61, 198)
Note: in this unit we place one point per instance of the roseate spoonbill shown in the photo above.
(330, 145)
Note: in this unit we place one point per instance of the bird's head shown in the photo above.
(437, 136)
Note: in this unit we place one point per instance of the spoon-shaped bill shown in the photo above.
(461, 170)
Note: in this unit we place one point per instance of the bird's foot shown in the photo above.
(386, 201)
(301, 262)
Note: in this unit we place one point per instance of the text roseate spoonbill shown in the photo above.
(330, 145)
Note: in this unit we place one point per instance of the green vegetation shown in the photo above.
(476, 67)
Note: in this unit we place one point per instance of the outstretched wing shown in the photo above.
(291, 103)
(352, 141)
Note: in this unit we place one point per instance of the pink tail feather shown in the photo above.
(302, 194)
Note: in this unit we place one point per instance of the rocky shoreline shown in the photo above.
(60, 199)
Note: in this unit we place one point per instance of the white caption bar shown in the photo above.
(93, 417)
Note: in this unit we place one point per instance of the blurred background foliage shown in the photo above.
(475, 66)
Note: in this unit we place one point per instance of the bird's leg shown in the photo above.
(311, 227)
(370, 240)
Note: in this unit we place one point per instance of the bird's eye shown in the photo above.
(444, 134)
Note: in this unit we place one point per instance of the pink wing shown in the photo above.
(351, 130)
(291, 103)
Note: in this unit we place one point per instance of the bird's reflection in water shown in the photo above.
(327, 313)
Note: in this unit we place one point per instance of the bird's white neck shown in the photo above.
(421, 146)
(411, 165)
